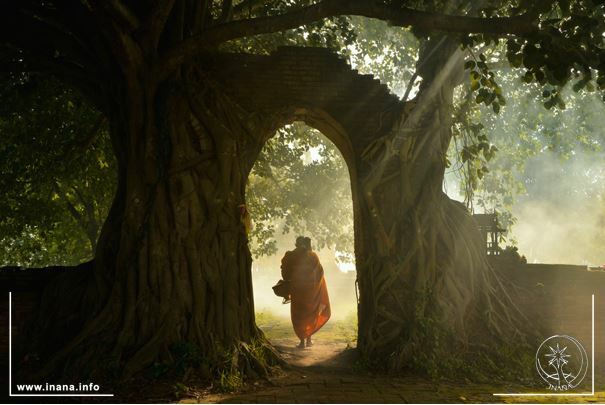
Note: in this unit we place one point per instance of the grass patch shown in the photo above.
(274, 326)
(278, 327)
(229, 381)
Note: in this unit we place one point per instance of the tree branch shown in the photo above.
(92, 227)
(399, 16)
(70, 207)
(89, 224)
(82, 145)
(122, 13)
(156, 21)
(226, 11)
(248, 6)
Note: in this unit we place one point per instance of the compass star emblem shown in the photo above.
(558, 356)
(562, 362)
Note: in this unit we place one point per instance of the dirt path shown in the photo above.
(321, 354)
(326, 373)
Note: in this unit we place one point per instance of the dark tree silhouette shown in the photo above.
(172, 262)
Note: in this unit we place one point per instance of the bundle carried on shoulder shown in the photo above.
(282, 289)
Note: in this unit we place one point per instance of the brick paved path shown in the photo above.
(318, 375)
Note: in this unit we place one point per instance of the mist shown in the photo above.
(266, 272)
(547, 181)
(560, 216)
(300, 186)
(561, 219)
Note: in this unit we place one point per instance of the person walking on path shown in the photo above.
(310, 304)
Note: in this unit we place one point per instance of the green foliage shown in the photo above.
(300, 184)
(57, 171)
(440, 354)
(229, 381)
(335, 33)
(258, 350)
(521, 133)
(41, 118)
(389, 53)
(471, 149)
(431, 359)
(186, 355)
(490, 151)
(483, 82)
(569, 45)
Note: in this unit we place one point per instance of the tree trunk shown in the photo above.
(426, 289)
(172, 263)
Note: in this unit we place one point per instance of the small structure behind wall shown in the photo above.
(491, 231)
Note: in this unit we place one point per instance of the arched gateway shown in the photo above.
(418, 254)
(408, 269)
(312, 85)
(354, 111)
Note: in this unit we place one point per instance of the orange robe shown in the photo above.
(310, 306)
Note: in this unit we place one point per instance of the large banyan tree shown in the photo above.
(172, 263)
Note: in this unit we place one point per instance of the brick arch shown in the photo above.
(328, 126)
(310, 81)
(337, 134)
(316, 86)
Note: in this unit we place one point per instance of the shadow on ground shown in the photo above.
(327, 373)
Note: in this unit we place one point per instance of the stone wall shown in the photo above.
(559, 297)
(311, 85)
(26, 288)
(555, 296)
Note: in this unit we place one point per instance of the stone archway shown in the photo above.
(354, 111)
(312, 85)
(303, 190)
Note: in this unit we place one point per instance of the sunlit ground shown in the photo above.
(340, 334)
(279, 328)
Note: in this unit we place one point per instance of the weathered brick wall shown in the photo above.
(558, 298)
(314, 85)
(26, 287)
(293, 79)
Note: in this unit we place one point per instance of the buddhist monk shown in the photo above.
(310, 305)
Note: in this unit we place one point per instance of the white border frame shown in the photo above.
(543, 394)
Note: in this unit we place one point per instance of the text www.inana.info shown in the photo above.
(80, 387)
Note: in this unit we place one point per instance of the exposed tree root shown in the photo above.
(173, 266)
(427, 290)
(61, 318)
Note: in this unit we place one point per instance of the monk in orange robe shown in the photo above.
(310, 305)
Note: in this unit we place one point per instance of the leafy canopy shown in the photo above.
(300, 184)
(58, 173)
(58, 193)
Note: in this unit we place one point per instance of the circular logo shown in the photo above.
(562, 362)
